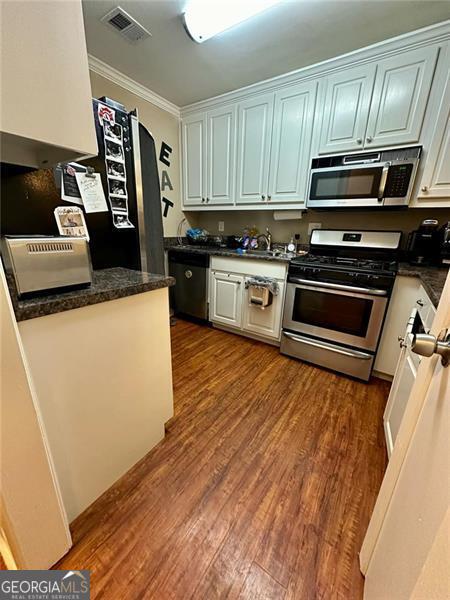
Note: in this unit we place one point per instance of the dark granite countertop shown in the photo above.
(432, 278)
(214, 251)
(107, 284)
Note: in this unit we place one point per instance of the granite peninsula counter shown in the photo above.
(107, 284)
(99, 360)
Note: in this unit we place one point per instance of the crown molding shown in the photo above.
(432, 34)
(101, 68)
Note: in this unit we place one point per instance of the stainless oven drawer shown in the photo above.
(344, 360)
(328, 304)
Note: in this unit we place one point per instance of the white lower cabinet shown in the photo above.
(264, 321)
(226, 295)
(229, 303)
(398, 398)
(418, 317)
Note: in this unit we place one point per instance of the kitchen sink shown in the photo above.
(272, 253)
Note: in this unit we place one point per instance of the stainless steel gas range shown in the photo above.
(336, 299)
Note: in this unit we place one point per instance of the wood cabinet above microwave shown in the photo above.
(46, 92)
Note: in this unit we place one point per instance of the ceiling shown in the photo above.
(291, 35)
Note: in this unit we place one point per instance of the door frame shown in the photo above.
(405, 435)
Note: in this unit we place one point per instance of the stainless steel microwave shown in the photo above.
(368, 179)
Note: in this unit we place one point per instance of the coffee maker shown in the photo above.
(444, 244)
(423, 244)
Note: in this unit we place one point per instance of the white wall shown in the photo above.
(103, 376)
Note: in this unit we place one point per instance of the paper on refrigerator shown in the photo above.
(92, 193)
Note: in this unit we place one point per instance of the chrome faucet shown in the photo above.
(267, 237)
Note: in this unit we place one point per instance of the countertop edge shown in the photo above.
(57, 304)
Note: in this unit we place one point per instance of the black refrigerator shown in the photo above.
(130, 233)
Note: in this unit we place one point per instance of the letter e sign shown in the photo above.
(165, 153)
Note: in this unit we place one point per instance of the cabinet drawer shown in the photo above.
(251, 266)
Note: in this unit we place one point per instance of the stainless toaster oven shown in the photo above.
(44, 262)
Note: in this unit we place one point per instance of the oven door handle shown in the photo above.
(383, 179)
(338, 286)
(331, 347)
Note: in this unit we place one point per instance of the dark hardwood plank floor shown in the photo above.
(262, 488)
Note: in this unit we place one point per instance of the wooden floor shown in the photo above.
(262, 488)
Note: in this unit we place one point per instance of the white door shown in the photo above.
(435, 181)
(194, 159)
(346, 109)
(264, 321)
(291, 143)
(226, 299)
(221, 128)
(414, 498)
(255, 118)
(400, 97)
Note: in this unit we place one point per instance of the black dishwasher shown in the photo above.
(189, 296)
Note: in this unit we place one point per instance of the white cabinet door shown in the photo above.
(400, 97)
(435, 182)
(291, 143)
(226, 299)
(194, 159)
(347, 103)
(55, 123)
(221, 128)
(405, 376)
(264, 321)
(255, 119)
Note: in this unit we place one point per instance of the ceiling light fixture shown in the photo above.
(205, 18)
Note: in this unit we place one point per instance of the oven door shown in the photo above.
(336, 313)
(347, 186)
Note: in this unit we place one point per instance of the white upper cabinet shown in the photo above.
(194, 159)
(291, 143)
(400, 96)
(434, 187)
(46, 92)
(252, 149)
(254, 135)
(221, 155)
(346, 109)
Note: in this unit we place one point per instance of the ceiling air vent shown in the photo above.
(124, 23)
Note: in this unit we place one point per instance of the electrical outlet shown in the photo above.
(312, 226)
(221, 225)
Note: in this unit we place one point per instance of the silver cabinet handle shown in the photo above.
(338, 286)
(325, 346)
(269, 198)
(359, 141)
(426, 344)
(203, 199)
(369, 139)
(263, 197)
(420, 302)
(424, 188)
(207, 199)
